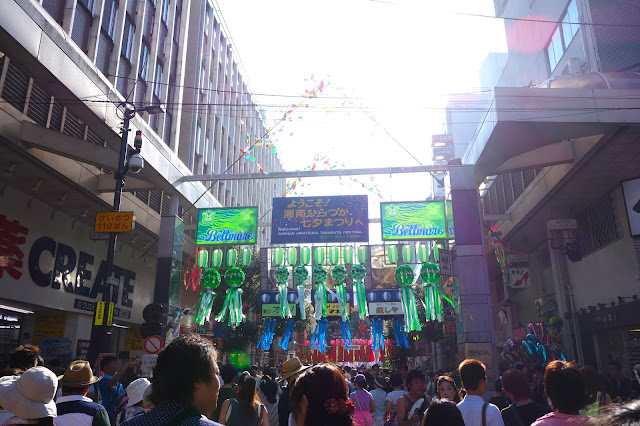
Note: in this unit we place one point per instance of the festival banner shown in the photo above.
(413, 221)
(336, 219)
(237, 225)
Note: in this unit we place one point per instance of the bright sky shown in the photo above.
(391, 61)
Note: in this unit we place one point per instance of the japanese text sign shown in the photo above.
(113, 222)
(273, 309)
(413, 221)
(343, 218)
(227, 226)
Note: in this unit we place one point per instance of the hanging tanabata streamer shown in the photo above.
(300, 275)
(282, 275)
(501, 252)
(176, 323)
(430, 275)
(405, 276)
(358, 272)
(267, 335)
(319, 336)
(377, 326)
(233, 300)
(320, 274)
(346, 333)
(284, 340)
(339, 274)
(209, 281)
(401, 336)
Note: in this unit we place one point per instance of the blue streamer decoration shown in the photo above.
(319, 336)
(401, 337)
(176, 323)
(267, 335)
(346, 333)
(284, 340)
(378, 337)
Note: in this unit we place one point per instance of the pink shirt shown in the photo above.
(560, 419)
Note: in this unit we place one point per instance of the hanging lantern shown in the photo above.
(203, 258)
(246, 257)
(292, 256)
(277, 256)
(232, 258)
(216, 258)
(334, 255)
(392, 254)
(319, 255)
(423, 253)
(305, 255)
(407, 253)
(347, 255)
(362, 255)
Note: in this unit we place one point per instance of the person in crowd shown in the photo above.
(136, 402)
(537, 391)
(109, 385)
(347, 373)
(129, 377)
(363, 401)
(475, 411)
(380, 400)
(184, 386)
(29, 397)
(413, 404)
(8, 372)
(320, 397)
(447, 389)
(73, 406)
(228, 390)
(245, 409)
(619, 415)
(564, 385)
(269, 398)
(619, 386)
(523, 411)
(375, 370)
(443, 412)
(596, 397)
(390, 412)
(24, 357)
(404, 370)
(254, 371)
(371, 381)
(291, 368)
(501, 400)
(431, 385)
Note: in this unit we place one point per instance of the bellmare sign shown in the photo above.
(408, 221)
(227, 226)
(337, 219)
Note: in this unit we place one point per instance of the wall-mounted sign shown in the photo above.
(451, 232)
(273, 309)
(227, 226)
(337, 219)
(631, 192)
(385, 308)
(413, 221)
(519, 277)
(113, 222)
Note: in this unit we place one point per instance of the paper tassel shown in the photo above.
(501, 253)
(282, 276)
(277, 256)
(319, 336)
(423, 253)
(430, 275)
(320, 274)
(358, 272)
(305, 255)
(346, 333)
(292, 256)
(267, 334)
(246, 257)
(362, 255)
(334, 255)
(216, 258)
(209, 281)
(392, 254)
(232, 258)
(407, 253)
(319, 255)
(284, 340)
(233, 300)
(339, 274)
(404, 276)
(401, 336)
(300, 275)
(377, 325)
(203, 258)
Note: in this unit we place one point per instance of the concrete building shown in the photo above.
(67, 68)
(555, 156)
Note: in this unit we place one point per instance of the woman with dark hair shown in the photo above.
(363, 400)
(269, 390)
(392, 398)
(595, 393)
(320, 397)
(245, 409)
(442, 412)
(447, 389)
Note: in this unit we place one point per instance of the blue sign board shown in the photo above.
(338, 219)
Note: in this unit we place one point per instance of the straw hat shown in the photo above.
(30, 396)
(78, 374)
(136, 390)
(292, 367)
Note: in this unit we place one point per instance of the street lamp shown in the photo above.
(127, 161)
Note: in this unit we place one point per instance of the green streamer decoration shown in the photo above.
(407, 253)
(245, 258)
(339, 274)
(405, 276)
(305, 255)
(362, 255)
(334, 255)
(430, 275)
(233, 300)
(347, 255)
(209, 281)
(392, 254)
(320, 274)
(292, 256)
(277, 256)
(282, 276)
(232, 258)
(300, 275)
(216, 258)
(358, 272)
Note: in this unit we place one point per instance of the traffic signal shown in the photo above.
(152, 315)
(573, 252)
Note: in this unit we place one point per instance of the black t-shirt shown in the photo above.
(528, 414)
(501, 402)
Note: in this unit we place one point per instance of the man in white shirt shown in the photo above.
(474, 380)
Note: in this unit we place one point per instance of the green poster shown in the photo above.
(227, 226)
(413, 221)
(451, 231)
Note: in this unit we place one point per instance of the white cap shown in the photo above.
(135, 391)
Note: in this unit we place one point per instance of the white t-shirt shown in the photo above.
(394, 396)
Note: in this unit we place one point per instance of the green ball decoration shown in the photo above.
(300, 274)
(404, 275)
(282, 274)
(430, 273)
(320, 273)
(210, 279)
(339, 273)
(358, 272)
(234, 277)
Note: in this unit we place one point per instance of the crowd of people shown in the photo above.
(189, 388)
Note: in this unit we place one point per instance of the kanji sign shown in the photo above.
(110, 314)
(445, 262)
(385, 308)
(10, 254)
(519, 277)
(273, 309)
(343, 218)
(113, 222)
(99, 314)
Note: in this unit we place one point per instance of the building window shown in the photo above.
(157, 87)
(144, 62)
(563, 34)
(166, 6)
(110, 17)
(598, 225)
(128, 37)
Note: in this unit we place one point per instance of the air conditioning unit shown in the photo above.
(546, 305)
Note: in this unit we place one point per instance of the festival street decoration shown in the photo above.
(210, 281)
(405, 276)
(495, 233)
(233, 300)
(358, 272)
